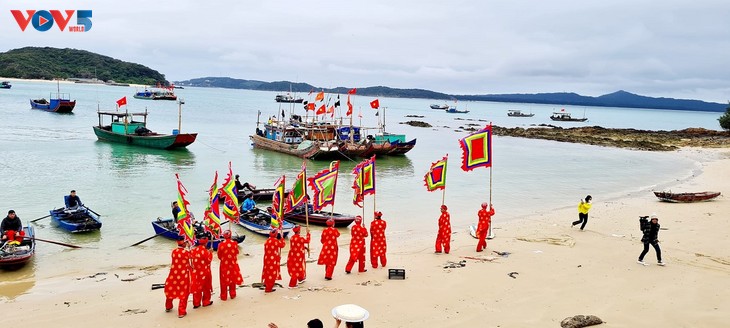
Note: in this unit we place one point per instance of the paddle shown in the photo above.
(148, 238)
(40, 218)
(53, 242)
(92, 211)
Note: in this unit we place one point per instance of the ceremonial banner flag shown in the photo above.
(352, 91)
(231, 208)
(349, 106)
(436, 176)
(320, 96)
(324, 185)
(121, 102)
(375, 104)
(184, 219)
(477, 149)
(277, 203)
(337, 103)
(212, 220)
(364, 183)
(298, 193)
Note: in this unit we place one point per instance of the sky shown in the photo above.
(670, 48)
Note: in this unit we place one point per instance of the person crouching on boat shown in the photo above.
(485, 220)
(230, 272)
(72, 201)
(443, 239)
(272, 260)
(177, 285)
(295, 264)
(202, 281)
(377, 240)
(357, 246)
(330, 249)
(11, 229)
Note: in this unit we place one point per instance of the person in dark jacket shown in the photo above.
(11, 228)
(175, 210)
(72, 201)
(651, 236)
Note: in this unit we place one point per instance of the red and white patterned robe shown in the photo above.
(202, 280)
(444, 234)
(357, 247)
(295, 260)
(378, 246)
(230, 272)
(328, 255)
(485, 220)
(272, 262)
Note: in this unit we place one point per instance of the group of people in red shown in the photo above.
(443, 238)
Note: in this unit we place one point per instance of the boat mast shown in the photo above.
(179, 114)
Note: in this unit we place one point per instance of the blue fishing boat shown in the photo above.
(168, 228)
(60, 103)
(14, 255)
(260, 223)
(5, 85)
(78, 220)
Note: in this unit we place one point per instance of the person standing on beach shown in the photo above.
(485, 220)
(357, 246)
(177, 285)
(295, 260)
(230, 272)
(330, 250)
(443, 240)
(272, 260)
(202, 281)
(651, 236)
(378, 246)
(583, 209)
(11, 229)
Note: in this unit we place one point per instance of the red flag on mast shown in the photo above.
(375, 104)
(122, 101)
(352, 91)
(349, 106)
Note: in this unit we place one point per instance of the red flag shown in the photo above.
(375, 104)
(310, 106)
(321, 110)
(122, 101)
(320, 96)
(352, 91)
(349, 106)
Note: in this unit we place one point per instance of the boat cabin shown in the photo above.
(123, 123)
(561, 115)
(287, 135)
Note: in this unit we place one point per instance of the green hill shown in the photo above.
(50, 63)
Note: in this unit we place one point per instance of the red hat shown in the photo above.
(273, 232)
(227, 234)
(203, 241)
(181, 242)
(297, 228)
(358, 219)
(484, 205)
(378, 214)
(444, 208)
(330, 222)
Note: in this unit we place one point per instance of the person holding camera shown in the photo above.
(650, 228)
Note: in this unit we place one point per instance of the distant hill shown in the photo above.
(50, 63)
(617, 99)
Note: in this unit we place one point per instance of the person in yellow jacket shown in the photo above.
(583, 208)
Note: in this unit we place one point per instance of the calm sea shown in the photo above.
(45, 155)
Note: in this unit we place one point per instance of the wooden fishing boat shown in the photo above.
(12, 255)
(518, 113)
(78, 220)
(564, 116)
(441, 107)
(167, 227)
(319, 218)
(60, 104)
(453, 110)
(287, 98)
(686, 197)
(259, 195)
(260, 223)
(124, 129)
(401, 148)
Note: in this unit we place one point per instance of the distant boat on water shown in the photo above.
(453, 110)
(287, 98)
(5, 85)
(61, 103)
(564, 116)
(442, 107)
(518, 113)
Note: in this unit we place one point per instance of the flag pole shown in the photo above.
(489, 233)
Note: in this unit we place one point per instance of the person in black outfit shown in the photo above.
(651, 236)
(11, 228)
(72, 201)
(239, 186)
(175, 210)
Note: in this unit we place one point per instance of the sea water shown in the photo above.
(45, 155)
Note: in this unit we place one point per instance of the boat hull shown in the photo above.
(261, 223)
(158, 141)
(81, 220)
(55, 105)
(13, 257)
(559, 119)
(312, 151)
(687, 197)
(320, 218)
(166, 228)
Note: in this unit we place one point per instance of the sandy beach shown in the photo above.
(561, 272)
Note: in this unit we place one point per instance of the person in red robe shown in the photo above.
(328, 255)
(202, 281)
(377, 240)
(272, 260)
(443, 240)
(485, 220)
(295, 260)
(357, 246)
(230, 272)
(177, 285)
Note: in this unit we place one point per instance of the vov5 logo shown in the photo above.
(43, 20)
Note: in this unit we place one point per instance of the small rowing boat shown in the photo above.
(260, 223)
(77, 220)
(16, 255)
(168, 228)
(686, 197)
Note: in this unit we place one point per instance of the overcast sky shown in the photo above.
(669, 48)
